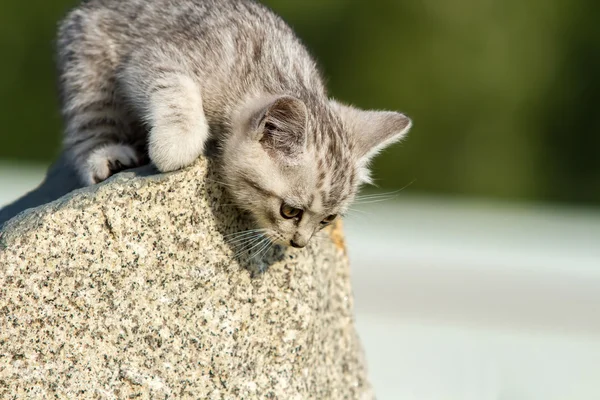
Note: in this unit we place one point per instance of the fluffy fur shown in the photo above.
(155, 79)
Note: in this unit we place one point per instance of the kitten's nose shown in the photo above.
(296, 245)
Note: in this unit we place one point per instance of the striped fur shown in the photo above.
(153, 80)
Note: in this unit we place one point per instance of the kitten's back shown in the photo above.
(228, 41)
(205, 57)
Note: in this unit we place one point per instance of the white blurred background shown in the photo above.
(465, 300)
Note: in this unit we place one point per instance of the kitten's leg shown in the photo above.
(169, 99)
(98, 138)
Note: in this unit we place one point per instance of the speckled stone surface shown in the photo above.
(129, 290)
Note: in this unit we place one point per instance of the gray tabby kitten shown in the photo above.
(158, 78)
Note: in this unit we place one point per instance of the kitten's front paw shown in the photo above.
(108, 160)
(172, 148)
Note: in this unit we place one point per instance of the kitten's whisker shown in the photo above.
(383, 196)
(251, 243)
(258, 244)
(368, 201)
(235, 234)
(354, 210)
(377, 195)
(373, 196)
(261, 250)
(266, 250)
(371, 201)
(258, 248)
(245, 240)
(382, 193)
(391, 194)
(241, 236)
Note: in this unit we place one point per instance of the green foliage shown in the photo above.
(504, 95)
(29, 114)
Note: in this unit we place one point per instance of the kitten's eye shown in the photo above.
(329, 219)
(289, 212)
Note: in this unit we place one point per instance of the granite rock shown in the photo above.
(129, 289)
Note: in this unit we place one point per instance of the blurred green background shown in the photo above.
(504, 94)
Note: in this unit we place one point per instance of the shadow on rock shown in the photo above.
(251, 249)
(61, 179)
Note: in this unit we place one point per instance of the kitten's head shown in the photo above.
(297, 168)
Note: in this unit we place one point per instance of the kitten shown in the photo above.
(155, 79)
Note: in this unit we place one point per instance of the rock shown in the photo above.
(129, 289)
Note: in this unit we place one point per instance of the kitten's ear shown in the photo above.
(372, 131)
(280, 127)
